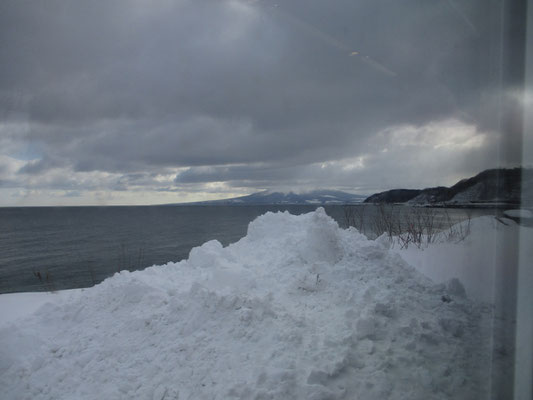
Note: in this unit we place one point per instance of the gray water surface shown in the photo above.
(54, 248)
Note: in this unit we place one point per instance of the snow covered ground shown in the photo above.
(474, 259)
(519, 213)
(297, 309)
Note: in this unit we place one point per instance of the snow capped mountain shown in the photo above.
(319, 197)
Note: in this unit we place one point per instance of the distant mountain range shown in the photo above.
(319, 197)
(493, 187)
(490, 187)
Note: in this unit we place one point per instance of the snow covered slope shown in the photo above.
(476, 261)
(495, 187)
(297, 309)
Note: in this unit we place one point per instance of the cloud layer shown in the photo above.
(192, 99)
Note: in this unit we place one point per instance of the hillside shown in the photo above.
(490, 187)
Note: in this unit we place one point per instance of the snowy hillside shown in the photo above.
(490, 187)
(297, 309)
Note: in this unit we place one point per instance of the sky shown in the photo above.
(151, 102)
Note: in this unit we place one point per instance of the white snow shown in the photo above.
(15, 306)
(474, 259)
(297, 309)
(472, 193)
(520, 213)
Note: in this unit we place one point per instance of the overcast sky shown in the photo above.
(146, 102)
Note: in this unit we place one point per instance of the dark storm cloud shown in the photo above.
(134, 87)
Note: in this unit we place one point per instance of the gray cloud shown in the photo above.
(136, 88)
(416, 156)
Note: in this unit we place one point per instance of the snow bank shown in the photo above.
(484, 260)
(486, 263)
(297, 309)
(519, 213)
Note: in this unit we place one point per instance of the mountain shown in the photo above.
(493, 186)
(319, 197)
(393, 196)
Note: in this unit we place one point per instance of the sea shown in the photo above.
(56, 248)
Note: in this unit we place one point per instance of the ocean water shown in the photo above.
(54, 248)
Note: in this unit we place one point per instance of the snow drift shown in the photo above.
(297, 309)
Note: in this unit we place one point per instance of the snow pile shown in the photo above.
(297, 309)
